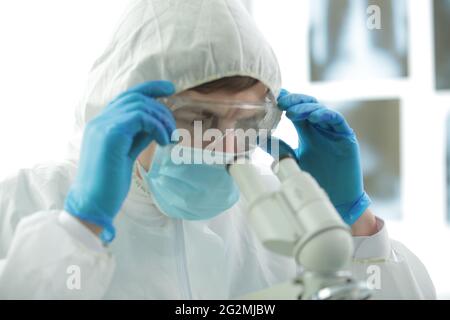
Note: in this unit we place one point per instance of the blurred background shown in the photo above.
(385, 64)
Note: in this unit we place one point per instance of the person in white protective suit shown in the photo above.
(139, 229)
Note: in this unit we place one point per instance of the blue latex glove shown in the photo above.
(111, 144)
(329, 151)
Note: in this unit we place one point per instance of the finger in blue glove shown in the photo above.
(111, 144)
(329, 151)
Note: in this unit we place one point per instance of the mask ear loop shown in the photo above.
(139, 174)
(140, 169)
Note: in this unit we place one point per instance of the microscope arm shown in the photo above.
(296, 219)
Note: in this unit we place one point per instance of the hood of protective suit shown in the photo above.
(188, 42)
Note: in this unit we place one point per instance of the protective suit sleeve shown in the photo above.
(389, 268)
(47, 261)
(80, 232)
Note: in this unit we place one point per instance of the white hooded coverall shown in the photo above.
(46, 253)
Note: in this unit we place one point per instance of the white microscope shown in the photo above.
(297, 219)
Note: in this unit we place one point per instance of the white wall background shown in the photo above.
(423, 227)
(46, 52)
(48, 47)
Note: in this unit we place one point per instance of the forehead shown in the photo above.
(256, 93)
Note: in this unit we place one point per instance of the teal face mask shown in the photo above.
(189, 191)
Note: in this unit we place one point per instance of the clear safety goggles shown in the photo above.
(225, 126)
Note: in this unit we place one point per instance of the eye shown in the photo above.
(207, 114)
(208, 119)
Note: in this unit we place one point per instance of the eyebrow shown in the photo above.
(238, 114)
